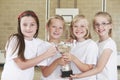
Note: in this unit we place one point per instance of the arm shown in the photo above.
(82, 66)
(91, 52)
(102, 61)
(47, 70)
(32, 62)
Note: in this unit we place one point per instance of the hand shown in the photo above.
(61, 61)
(67, 57)
(74, 76)
(51, 51)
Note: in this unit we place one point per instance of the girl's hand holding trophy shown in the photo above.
(64, 49)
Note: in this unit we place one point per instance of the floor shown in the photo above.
(38, 74)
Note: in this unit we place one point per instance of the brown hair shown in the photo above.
(20, 37)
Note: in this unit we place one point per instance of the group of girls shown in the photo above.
(89, 60)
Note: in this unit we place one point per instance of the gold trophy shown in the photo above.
(66, 69)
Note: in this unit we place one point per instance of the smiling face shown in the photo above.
(80, 29)
(28, 27)
(102, 26)
(55, 29)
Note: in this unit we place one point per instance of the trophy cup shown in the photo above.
(66, 69)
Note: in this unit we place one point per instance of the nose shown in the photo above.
(28, 27)
(79, 28)
(100, 26)
(57, 29)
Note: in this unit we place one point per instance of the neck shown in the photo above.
(103, 38)
(29, 39)
(56, 41)
(80, 40)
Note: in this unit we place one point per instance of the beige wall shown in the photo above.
(113, 8)
(9, 10)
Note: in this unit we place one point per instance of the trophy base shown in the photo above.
(66, 73)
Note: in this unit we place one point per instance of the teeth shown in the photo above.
(56, 33)
(79, 32)
(100, 30)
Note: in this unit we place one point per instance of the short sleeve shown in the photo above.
(10, 48)
(110, 45)
(43, 48)
(92, 53)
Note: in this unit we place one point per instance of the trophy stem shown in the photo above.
(66, 73)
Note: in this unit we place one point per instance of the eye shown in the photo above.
(75, 26)
(97, 24)
(53, 26)
(32, 24)
(104, 24)
(24, 24)
(60, 27)
(82, 26)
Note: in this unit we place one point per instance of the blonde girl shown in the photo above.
(55, 28)
(83, 55)
(106, 68)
